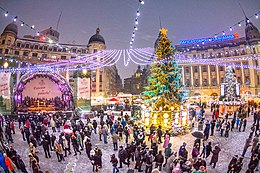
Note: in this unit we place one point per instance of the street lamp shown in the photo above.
(6, 64)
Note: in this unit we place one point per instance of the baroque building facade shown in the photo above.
(200, 78)
(38, 50)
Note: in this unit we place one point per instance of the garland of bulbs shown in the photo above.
(104, 58)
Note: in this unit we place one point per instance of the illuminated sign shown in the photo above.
(206, 40)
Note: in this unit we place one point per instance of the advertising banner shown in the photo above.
(41, 88)
(5, 84)
(83, 90)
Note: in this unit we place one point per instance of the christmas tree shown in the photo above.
(163, 92)
(230, 84)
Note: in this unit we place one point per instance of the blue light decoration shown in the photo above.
(206, 40)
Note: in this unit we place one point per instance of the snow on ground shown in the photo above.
(81, 164)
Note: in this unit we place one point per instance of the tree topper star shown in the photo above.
(163, 31)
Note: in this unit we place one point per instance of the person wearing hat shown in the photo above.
(200, 162)
(149, 161)
(122, 155)
(45, 145)
(9, 163)
(215, 155)
(159, 159)
(114, 162)
(183, 153)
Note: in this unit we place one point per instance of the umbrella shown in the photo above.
(67, 131)
(113, 100)
(198, 134)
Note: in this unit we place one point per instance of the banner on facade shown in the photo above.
(5, 84)
(83, 88)
(41, 88)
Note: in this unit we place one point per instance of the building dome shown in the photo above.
(252, 33)
(12, 28)
(97, 38)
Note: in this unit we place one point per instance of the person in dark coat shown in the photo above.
(232, 163)
(159, 159)
(214, 158)
(122, 155)
(138, 159)
(46, 147)
(208, 149)
(253, 163)
(88, 146)
(21, 164)
(200, 162)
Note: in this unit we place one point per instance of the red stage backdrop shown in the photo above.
(41, 88)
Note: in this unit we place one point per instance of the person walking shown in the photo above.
(114, 162)
(167, 153)
(122, 155)
(65, 145)
(247, 144)
(206, 130)
(75, 145)
(159, 159)
(215, 155)
(208, 149)
(244, 124)
(212, 127)
(115, 139)
(46, 147)
(88, 146)
(149, 162)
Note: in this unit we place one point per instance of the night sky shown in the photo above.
(185, 19)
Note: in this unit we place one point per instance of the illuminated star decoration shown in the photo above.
(163, 31)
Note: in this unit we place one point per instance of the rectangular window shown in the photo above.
(36, 47)
(63, 57)
(18, 44)
(187, 70)
(25, 53)
(3, 41)
(55, 49)
(44, 55)
(6, 51)
(221, 68)
(16, 52)
(64, 50)
(204, 68)
(27, 46)
(196, 69)
(45, 47)
(34, 54)
(84, 51)
(74, 50)
(95, 50)
(100, 78)
(212, 68)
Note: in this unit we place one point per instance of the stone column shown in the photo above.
(218, 83)
(183, 80)
(209, 76)
(243, 75)
(191, 76)
(200, 75)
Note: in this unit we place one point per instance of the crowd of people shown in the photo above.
(132, 144)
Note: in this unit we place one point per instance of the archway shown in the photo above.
(43, 91)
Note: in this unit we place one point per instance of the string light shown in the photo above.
(6, 13)
(223, 33)
(32, 27)
(142, 2)
(138, 13)
(136, 21)
(22, 24)
(15, 18)
(256, 16)
(239, 24)
(230, 29)
(37, 33)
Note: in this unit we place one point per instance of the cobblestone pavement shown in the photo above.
(81, 164)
